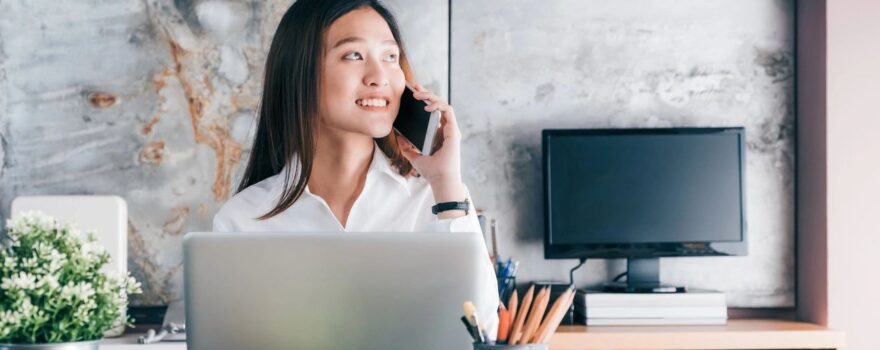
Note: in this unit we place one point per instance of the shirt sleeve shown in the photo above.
(467, 223)
(221, 224)
(487, 305)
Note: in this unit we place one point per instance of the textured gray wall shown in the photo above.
(154, 100)
(518, 67)
(151, 100)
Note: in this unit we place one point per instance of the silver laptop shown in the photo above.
(330, 290)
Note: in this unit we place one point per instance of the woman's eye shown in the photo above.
(391, 58)
(353, 56)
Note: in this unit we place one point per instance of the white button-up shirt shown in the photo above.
(389, 202)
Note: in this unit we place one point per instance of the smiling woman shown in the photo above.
(325, 156)
(362, 78)
(304, 91)
(334, 77)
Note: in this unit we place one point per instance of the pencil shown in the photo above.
(551, 316)
(554, 324)
(512, 306)
(528, 316)
(503, 324)
(516, 331)
(536, 315)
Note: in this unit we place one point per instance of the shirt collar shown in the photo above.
(380, 163)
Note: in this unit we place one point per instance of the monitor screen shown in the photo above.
(640, 187)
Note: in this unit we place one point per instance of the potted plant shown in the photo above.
(52, 291)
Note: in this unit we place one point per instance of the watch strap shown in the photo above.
(444, 206)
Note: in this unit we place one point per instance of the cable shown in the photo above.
(152, 337)
(571, 273)
(618, 277)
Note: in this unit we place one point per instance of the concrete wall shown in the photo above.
(153, 101)
(518, 67)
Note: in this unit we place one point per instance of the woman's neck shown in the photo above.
(339, 171)
(340, 159)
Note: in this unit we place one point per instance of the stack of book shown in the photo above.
(696, 307)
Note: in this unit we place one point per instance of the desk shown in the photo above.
(129, 341)
(737, 334)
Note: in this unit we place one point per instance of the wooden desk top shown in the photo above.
(737, 334)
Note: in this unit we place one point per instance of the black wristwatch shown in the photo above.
(441, 207)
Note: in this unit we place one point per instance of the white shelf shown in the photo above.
(130, 342)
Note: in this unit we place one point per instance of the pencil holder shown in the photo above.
(484, 346)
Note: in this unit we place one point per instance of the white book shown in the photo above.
(656, 312)
(692, 298)
(656, 321)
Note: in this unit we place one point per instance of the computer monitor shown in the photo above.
(642, 194)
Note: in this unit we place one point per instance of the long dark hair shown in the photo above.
(289, 106)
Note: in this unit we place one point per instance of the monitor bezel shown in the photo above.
(642, 250)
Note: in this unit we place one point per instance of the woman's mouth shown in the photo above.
(373, 104)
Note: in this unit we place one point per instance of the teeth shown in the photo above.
(373, 102)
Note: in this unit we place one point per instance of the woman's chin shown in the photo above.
(380, 131)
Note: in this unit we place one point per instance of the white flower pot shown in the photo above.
(119, 329)
(79, 345)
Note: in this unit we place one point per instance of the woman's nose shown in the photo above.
(376, 76)
(376, 79)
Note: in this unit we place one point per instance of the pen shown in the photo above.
(504, 268)
(470, 329)
(505, 275)
(470, 312)
(495, 240)
(512, 270)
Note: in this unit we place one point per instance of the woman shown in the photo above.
(325, 157)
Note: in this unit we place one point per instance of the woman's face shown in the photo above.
(361, 81)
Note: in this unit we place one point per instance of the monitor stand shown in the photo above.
(642, 276)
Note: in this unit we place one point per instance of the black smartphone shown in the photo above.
(416, 124)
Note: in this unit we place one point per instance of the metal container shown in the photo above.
(79, 345)
(484, 346)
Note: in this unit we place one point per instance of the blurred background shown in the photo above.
(154, 101)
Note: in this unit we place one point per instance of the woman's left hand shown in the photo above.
(442, 169)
